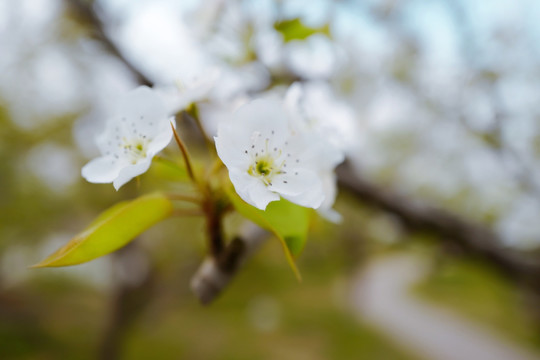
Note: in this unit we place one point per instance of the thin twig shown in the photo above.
(185, 155)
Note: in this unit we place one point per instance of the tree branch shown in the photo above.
(469, 236)
(215, 273)
(86, 11)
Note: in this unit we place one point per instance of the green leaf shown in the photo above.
(492, 139)
(169, 170)
(294, 29)
(287, 221)
(111, 230)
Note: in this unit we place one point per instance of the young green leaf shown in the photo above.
(294, 29)
(111, 230)
(169, 170)
(287, 221)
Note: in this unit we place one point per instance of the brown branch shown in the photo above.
(86, 12)
(215, 273)
(469, 236)
(214, 226)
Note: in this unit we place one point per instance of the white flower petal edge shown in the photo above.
(138, 130)
(266, 159)
(312, 118)
(131, 171)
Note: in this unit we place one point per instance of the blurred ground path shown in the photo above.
(380, 296)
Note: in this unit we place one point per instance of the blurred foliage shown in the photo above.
(50, 317)
(264, 307)
(295, 29)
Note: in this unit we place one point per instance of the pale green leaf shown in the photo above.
(287, 221)
(111, 230)
(294, 29)
(169, 170)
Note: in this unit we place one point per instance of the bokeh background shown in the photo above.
(445, 100)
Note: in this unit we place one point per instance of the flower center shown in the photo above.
(135, 149)
(267, 159)
(264, 168)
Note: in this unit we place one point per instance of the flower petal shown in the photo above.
(130, 171)
(232, 151)
(101, 170)
(294, 181)
(265, 116)
(330, 215)
(143, 110)
(328, 179)
(260, 195)
(251, 189)
(241, 182)
(312, 197)
(161, 140)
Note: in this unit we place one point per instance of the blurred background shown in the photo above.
(436, 104)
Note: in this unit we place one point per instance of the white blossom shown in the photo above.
(327, 162)
(266, 159)
(189, 88)
(316, 57)
(315, 107)
(313, 111)
(139, 129)
(213, 113)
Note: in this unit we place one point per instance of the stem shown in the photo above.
(214, 227)
(185, 155)
(215, 274)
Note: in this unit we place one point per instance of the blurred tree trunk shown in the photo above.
(134, 291)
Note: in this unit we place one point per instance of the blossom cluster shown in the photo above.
(276, 142)
(269, 150)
